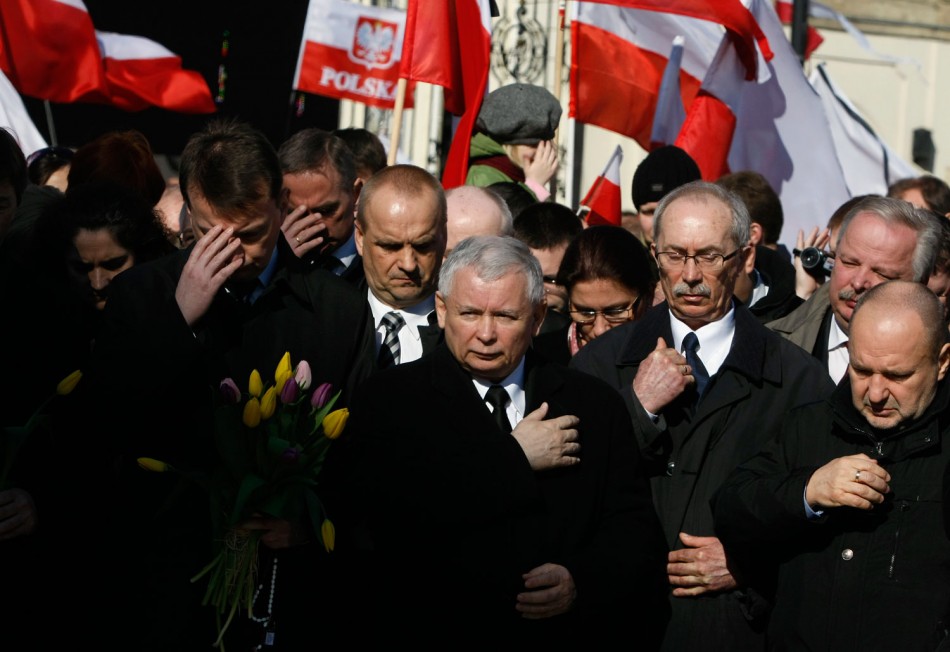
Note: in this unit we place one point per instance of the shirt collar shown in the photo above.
(715, 338)
(836, 336)
(346, 252)
(513, 384)
(417, 315)
(264, 279)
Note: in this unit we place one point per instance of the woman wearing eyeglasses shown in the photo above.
(610, 279)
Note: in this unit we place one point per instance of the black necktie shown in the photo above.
(690, 345)
(389, 350)
(497, 398)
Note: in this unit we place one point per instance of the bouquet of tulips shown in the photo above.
(272, 441)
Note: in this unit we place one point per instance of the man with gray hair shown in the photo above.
(705, 384)
(848, 500)
(509, 483)
(880, 239)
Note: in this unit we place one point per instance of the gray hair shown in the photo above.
(910, 296)
(897, 211)
(703, 191)
(492, 257)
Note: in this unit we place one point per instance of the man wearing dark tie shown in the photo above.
(503, 494)
(880, 239)
(319, 174)
(401, 236)
(705, 384)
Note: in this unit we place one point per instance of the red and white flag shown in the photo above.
(449, 44)
(14, 116)
(785, 10)
(351, 51)
(141, 73)
(670, 111)
(603, 198)
(50, 49)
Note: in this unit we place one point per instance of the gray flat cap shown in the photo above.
(520, 114)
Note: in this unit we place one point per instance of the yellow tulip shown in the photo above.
(269, 403)
(334, 423)
(68, 384)
(283, 368)
(255, 385)
(328, 532)
(252, 413)
(283, 377)
(150, 464)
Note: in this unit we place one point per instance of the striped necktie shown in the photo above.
(389, 350)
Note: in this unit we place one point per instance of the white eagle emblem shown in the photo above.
(373, 42)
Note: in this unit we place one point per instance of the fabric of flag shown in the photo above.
(603, 199)
(14, 116)
(449, 44)
(785, 11)
(352, 51)
(49, 49)
(670, 112)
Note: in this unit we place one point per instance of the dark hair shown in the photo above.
(515, 195)
(545, 225)
(608, 252)
(122, 157)
(42, 163)
(367, 148)
(312, 149)
(102, 205)
(763, 203)
(12, 163)
(935, 191)
(232, 165)
(407, 179)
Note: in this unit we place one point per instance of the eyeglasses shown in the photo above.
(705, 262)
(612, 315)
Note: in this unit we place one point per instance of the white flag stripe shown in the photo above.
(127, 47)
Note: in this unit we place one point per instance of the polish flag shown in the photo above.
(141, 73)
(603, 198)
(449, 44)
(48, 50)
(670, 112)
(786, 11)
(14, 116)
(352, 51)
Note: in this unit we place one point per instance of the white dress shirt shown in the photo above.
(410, 342)
(514, 385)
(715, 339)
(838, 357)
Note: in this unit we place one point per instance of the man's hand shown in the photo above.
(699, 568)
(277, 533)
(550, 591)
(663, 375)
(303, 230)
(215, 257)
(852, 481)
(805, 283)
(543, 165)
(17, 514)
(550, 443)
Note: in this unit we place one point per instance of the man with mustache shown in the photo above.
(849, 499)
(880, 239)
(401, 235)
(705, 385)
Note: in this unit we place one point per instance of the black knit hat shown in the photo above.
(663, 170)
(519, 114)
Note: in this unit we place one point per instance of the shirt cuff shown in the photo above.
(539, 191)
(810, 513)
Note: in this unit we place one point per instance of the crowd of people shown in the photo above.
(673, 432)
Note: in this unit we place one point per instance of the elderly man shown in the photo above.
(401, 235)
(880, 239)
(474, 210)
(849, 501)
(504, 494)
(322, 184)
(705, 384)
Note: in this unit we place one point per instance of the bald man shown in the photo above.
(849, 500)
(474, 210)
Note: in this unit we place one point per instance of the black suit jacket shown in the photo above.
(456, 515)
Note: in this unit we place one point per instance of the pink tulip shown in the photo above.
(321, 395)
(304, 376)
(229, 391)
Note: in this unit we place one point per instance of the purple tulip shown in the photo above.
(290, 456)
(321, 395)
(229, 391)
(290, 392)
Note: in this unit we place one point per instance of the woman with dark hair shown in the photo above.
(50, 167)
(609, 280)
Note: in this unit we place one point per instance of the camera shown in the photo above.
(816, 262)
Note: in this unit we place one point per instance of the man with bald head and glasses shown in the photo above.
(705, 385)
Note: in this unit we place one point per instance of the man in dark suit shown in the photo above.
(503, 494)
(401, 235)
(234, 301)
(705, 385)
(321, 179)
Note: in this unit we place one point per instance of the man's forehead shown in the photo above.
(713, 214)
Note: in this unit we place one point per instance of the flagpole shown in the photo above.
(397, 120)
(558, 64)
(49, 122)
